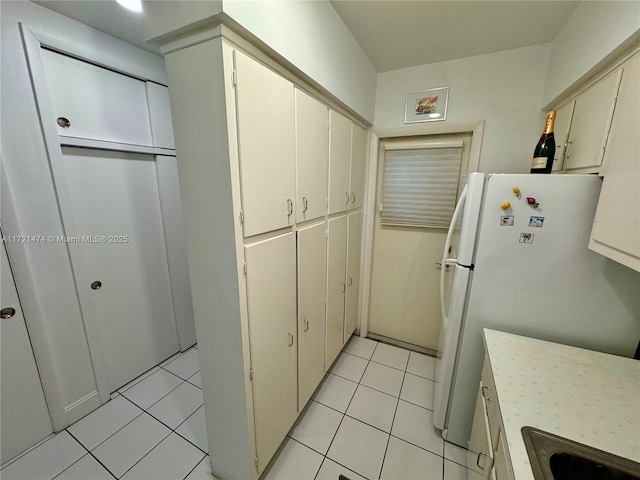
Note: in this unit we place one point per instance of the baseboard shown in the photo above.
(400, 343)
(82, 407)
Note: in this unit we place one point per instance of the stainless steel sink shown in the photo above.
(556, 458)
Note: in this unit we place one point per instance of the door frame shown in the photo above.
(34, 40)
(374, 157)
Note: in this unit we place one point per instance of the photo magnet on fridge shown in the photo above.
(536, 221)
(506, 220)
(526, 237)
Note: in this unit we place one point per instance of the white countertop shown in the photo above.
(590, 397)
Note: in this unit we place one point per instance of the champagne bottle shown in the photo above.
(546, 148)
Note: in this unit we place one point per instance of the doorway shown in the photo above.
(405, 271)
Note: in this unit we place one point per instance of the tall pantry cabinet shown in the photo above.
(272, 179)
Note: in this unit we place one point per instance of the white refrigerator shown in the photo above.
(525, 269)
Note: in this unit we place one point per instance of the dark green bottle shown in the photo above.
(546, 148)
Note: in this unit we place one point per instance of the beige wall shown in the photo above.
(405, 280)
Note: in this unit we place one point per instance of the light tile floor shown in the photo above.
(370, 419)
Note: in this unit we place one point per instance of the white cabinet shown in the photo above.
(561, 134)
(312, 280)
(271, 303)
(616, 228)
(339, 162)
(590, 123)
(266, 144)
(487, 452)
(354, 241)
(312, 156)
(160, 115)
(119, 114)
(336, 287)
(358, 152)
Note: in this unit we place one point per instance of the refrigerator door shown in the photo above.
(448, 342)
(465, 225)
(537, 278)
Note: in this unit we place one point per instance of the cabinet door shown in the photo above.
(336, 260)
(480, 453)
(502, 464)
(616, 228)
(312, 282)
(160, 115)
(563, 124)
(119, 113)
(590, 123)
(354, 241)
(339, 162)
(266, 142)
(312, 156)
(358, 153)
(271, 302)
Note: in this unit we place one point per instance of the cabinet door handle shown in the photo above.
(346, 202)
(289, 207)
(305, 204)
(343, 287)
(480, 454)
(349, 281)
(306, 325)
(290, 340)
(353, 198)
(484, 394)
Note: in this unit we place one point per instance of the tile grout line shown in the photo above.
(344, 415)
(89, 452)
(196, 466)
(384, 457)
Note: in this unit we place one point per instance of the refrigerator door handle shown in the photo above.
(447, 245)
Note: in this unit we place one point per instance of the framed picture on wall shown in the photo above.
(426, 105)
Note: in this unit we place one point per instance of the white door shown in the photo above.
(339, 162)
(23, 411)
(336, 286)
(266, 141)
(353, 273)
(312, 156)
(271, 300)
(312, 281)
(114, 202)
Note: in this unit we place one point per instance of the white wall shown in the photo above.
(594, 31)
(503, 88)
(29, 206)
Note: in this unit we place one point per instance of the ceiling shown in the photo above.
(400, 34)
(393, 34)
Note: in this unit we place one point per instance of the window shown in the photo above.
(420, 183)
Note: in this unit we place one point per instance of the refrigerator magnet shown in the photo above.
(536, 221)
(506, 220)
(526, 237)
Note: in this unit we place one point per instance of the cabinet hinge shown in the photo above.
(244, 267)
(257, 463)
(326, 234)
(251, 377)
(234, 78)
(241, 216)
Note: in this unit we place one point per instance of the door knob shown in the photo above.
(63, 122)
(7, 312)
(96, 285)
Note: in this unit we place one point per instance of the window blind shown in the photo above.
(420, 184)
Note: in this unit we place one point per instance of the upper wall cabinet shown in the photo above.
(590, 124)
(266, 140)
(616, 228)
(119, 114)
(358, 152)
(563, 124)
(339, 162)
(160, 113)
(312, 156)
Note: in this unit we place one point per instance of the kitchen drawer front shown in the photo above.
(119, 113)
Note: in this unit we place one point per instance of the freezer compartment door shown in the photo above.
(464, 224)
(448, 342)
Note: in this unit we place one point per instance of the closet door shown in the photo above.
(271, 299)
(114, 218)
(358, 153)
(23, 411)
(312, 281)
(353, 273)
(336, 287)
(339, 162)
(312, 156)
(266, 141)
